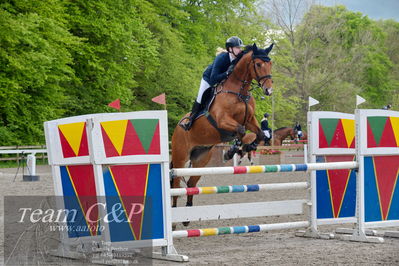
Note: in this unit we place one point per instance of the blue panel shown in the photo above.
(240, 229)
(301, 167)
(253, 228)
(323, 199)
(348, 208)
(238, 188)
(77, 226)
(153, 222)
(252, 187)
(371, 200)
(394, 209)
(286, 168)
(119, 230)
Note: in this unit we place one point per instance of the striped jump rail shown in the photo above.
(238, 229)
(236, 188)
(234, 170)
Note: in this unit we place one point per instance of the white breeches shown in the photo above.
(267, 133)
(203, 86)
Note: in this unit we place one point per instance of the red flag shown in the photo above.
(115, 104)
(161, 99)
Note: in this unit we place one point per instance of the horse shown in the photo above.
(242, 151)
(229, 116)
(282, 133)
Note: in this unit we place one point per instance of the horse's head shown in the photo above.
(262, 68)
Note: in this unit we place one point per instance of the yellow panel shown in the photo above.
(73, 133)
(349, 129)
(208, 190)
(395, 127)
(256, 169)
(116, 131)
(209, 232)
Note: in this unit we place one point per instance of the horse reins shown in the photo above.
(242, 97)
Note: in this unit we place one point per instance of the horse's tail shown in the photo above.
(171, 178)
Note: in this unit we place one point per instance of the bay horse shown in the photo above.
(282, 133)
(229, 116)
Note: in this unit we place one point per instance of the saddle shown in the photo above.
(207, 100)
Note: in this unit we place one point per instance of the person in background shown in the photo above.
(387, 107)
(298, 129)
(264, 125)
(219, 70)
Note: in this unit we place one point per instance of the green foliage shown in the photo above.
(34, 63)
(63, 58)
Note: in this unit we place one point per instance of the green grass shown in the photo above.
(15, 164)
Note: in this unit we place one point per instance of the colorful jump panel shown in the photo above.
(135, 193)
(336, 133)
(80, 199)
(73, 139)
(381, 188)
(131, 137)
(336, 189)
(382, 131)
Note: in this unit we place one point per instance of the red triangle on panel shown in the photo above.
(131, 182)
(109, 148)
(370, 137)
(155, 147)
(84, 145)
(67, 150)
(353, 145)
(82, 178)
(322, 138)
(132, 144)
(338, 181)
(339, 139)
(388, 136)
(386, 173)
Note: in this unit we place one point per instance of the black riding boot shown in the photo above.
(194, 113)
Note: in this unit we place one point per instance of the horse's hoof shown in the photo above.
(186, 223)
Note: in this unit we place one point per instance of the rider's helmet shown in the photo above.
(266, 115)
(234, 42)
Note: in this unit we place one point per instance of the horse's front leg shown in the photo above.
(229, 124)
(253, 126)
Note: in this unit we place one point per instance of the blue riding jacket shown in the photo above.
(217, 71)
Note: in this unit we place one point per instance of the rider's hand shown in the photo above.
(230, 70)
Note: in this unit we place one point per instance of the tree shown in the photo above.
(34, 64)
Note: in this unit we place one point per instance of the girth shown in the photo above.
(225, 135)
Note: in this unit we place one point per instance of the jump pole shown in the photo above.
(233, 170)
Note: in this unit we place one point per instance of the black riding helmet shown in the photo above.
(266, 115)
(234, 42)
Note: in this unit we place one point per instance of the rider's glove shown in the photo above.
(230, 70)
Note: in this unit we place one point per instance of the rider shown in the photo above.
(298, 129)
(219, 70)
(264, 125)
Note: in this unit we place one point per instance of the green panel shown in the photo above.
(223, 189)
(145, 129)
(377, 125)
(329, 126)
(271, 168)
(224, 230)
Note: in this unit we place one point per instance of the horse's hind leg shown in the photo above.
(193, 181)
(201, 161)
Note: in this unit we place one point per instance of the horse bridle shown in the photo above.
(257, 78)
(246, 98)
